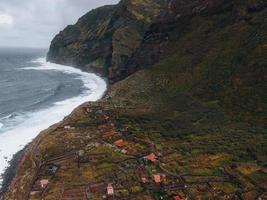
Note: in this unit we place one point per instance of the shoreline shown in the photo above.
(11, 171)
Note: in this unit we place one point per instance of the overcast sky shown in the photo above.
(33, 23)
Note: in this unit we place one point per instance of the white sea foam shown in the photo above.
(14, 139)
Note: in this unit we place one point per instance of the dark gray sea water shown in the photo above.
(23, 90)
(35, 94)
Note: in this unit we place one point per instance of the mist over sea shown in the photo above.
(35, 94)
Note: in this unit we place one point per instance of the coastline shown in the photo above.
(11, 170)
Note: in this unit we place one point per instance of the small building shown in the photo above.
(152, 157)
(44, 183)
(177, 198)
(119, 143)
(110, 189)
(157, 178)
(68, 127)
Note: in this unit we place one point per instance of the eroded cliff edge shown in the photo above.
(105, 38)
(195, 100)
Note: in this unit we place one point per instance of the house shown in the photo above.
(110, 189)
(177, 198)
(157, 178)
(120, 143)
(44, 183)
(152, 157)
(68, 127)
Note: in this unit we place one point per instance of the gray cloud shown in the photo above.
(35, 22)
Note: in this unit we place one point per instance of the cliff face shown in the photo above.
(194, 96)
(83, 43)
(104, 39)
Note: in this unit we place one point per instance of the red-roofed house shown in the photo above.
(177, 198)
(157, 178)
(152, 157)
(120, 143)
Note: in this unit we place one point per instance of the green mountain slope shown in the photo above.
(217, 58)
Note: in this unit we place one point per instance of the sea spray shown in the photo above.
(15, 138)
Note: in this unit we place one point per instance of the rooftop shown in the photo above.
(157, 178)
(152, 157)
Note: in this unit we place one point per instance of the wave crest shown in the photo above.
(15, 138)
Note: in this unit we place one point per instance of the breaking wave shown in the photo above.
(28, 125)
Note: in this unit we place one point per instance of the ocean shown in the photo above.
(35, 94)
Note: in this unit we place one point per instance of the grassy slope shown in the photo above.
(218, 59)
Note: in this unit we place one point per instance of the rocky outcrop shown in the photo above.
(105, 38)
(83, 44)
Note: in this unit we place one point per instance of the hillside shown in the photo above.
(186, 120)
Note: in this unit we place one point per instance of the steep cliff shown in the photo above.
(83, 43)
(105, 38)
(188, 120)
